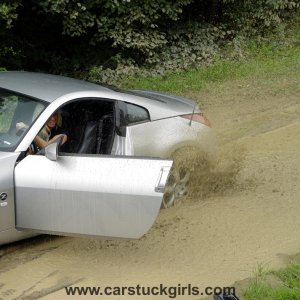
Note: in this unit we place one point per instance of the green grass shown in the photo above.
(288, 285)
(268, 59)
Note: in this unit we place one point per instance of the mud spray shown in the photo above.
(209, 176)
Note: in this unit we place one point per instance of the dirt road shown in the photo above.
(246, 213)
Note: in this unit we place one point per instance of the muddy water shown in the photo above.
(241, 211)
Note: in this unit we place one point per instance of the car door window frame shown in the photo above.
(54, 106)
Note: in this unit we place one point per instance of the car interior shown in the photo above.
(89, 125)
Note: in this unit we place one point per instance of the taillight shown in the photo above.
(197, 117)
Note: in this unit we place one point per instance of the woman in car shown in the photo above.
(48, 134)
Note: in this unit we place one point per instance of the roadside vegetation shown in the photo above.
(258, 58)
(109, 41)
(283, 284)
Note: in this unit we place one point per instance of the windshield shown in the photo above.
(17, 113)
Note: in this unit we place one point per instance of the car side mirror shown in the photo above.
(51, 151)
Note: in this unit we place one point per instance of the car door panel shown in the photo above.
(112, 197)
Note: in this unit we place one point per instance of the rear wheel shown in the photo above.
(176, 187)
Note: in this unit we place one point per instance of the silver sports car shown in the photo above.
(107, 179)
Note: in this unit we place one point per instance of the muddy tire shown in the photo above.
(177, 186)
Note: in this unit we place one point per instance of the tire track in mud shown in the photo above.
(33, 292)
(24, 251)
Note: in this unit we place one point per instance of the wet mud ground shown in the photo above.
(242, 210)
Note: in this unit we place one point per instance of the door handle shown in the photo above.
(162, 179)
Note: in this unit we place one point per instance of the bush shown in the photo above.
(110, 40)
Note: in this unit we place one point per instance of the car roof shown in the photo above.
(50, 87)
(45, 86)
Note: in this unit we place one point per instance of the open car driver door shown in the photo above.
(94, 195)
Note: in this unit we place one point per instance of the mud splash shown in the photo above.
(210, 176)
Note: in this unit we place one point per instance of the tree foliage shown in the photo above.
(104, 38)
(8, 12)
(256, 17)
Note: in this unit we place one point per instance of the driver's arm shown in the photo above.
(42, 143)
